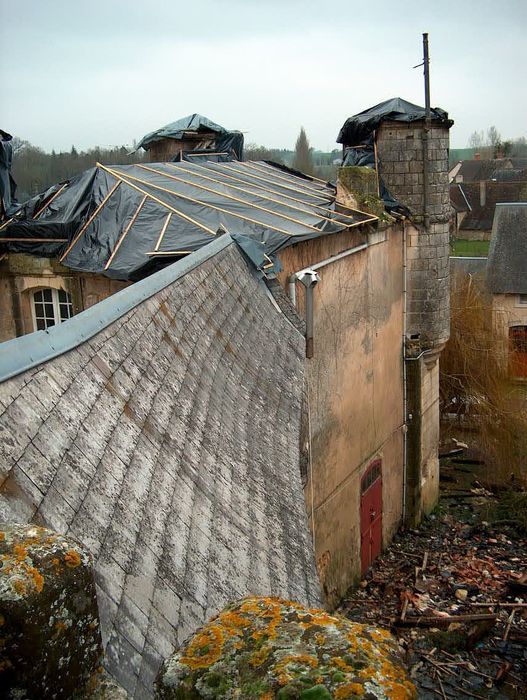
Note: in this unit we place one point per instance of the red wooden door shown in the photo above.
(518, 351)
(371, 515)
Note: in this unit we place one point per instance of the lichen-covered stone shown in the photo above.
(265, 648)
(102, 687)
(50, 641)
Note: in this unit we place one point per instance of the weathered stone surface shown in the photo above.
(265, 648)
(172, 454)
(102, 687)
(49, 625)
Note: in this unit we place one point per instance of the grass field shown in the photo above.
(470, 248)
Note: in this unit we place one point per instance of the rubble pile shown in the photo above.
(455, 594)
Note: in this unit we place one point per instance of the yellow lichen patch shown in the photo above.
(20, 586)
(260, 656)
(340, 663)
(379, 635)
(205, 648)
(72, 558)
(320, 639)
(349, 690)
(268, 695)
(36, 576)
(20, 552)
(2, 536)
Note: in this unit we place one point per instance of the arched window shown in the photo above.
(49, 307)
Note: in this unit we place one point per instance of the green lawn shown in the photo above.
(474, 249)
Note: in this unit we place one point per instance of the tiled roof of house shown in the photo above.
(168, 443)
(479, 217)
(507, 263)
(476, 170)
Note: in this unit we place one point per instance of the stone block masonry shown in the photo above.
(400, 149)
(168, 444)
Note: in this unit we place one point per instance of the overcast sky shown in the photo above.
(105, 73)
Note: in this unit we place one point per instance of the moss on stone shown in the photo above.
(267, 648)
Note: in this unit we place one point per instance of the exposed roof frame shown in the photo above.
(229, 196)
(275, 176)
(51, 199)
(262, 187)
(305, 209)
(213, 206)
(125, 232)
(274, 182)
(267, 166)
(90, 219)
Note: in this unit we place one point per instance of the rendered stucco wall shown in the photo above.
(168, 444)
(355, 383)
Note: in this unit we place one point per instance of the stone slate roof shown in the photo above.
(168, 444)
(479, 217)
(477, 170)
(507, 263)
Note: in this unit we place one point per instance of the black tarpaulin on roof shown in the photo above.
(8, 201)
(122, 220)
(357, 129)
(231, 141)
(357, 137)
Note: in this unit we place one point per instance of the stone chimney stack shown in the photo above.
(400, 150)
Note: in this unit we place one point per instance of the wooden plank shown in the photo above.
(274, 173)
(164, 228)
(125, 232)
(92, 217)
(265, 188)
(46, 204)
(215, 207)
(230, 196)
(273, 182)
(263, 196)
(159, 201)
(33, 240)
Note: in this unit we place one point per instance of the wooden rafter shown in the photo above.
(213, 206)
(92, 217)
(230, 196)
(211, 168)
(281, 202)
(156, 199)
(125, 232)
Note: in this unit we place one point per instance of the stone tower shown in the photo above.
(400, 148)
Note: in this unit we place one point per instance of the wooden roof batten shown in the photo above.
(306, 210)
(217, 208)
(266, 188)
(228, 196)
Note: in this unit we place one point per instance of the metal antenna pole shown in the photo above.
(426, 70)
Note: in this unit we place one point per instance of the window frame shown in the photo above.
(521, 300)
(56, 302)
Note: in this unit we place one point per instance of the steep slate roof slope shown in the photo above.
(168, 443)
(507, 263)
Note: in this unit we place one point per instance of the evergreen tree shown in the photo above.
(303, 159)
